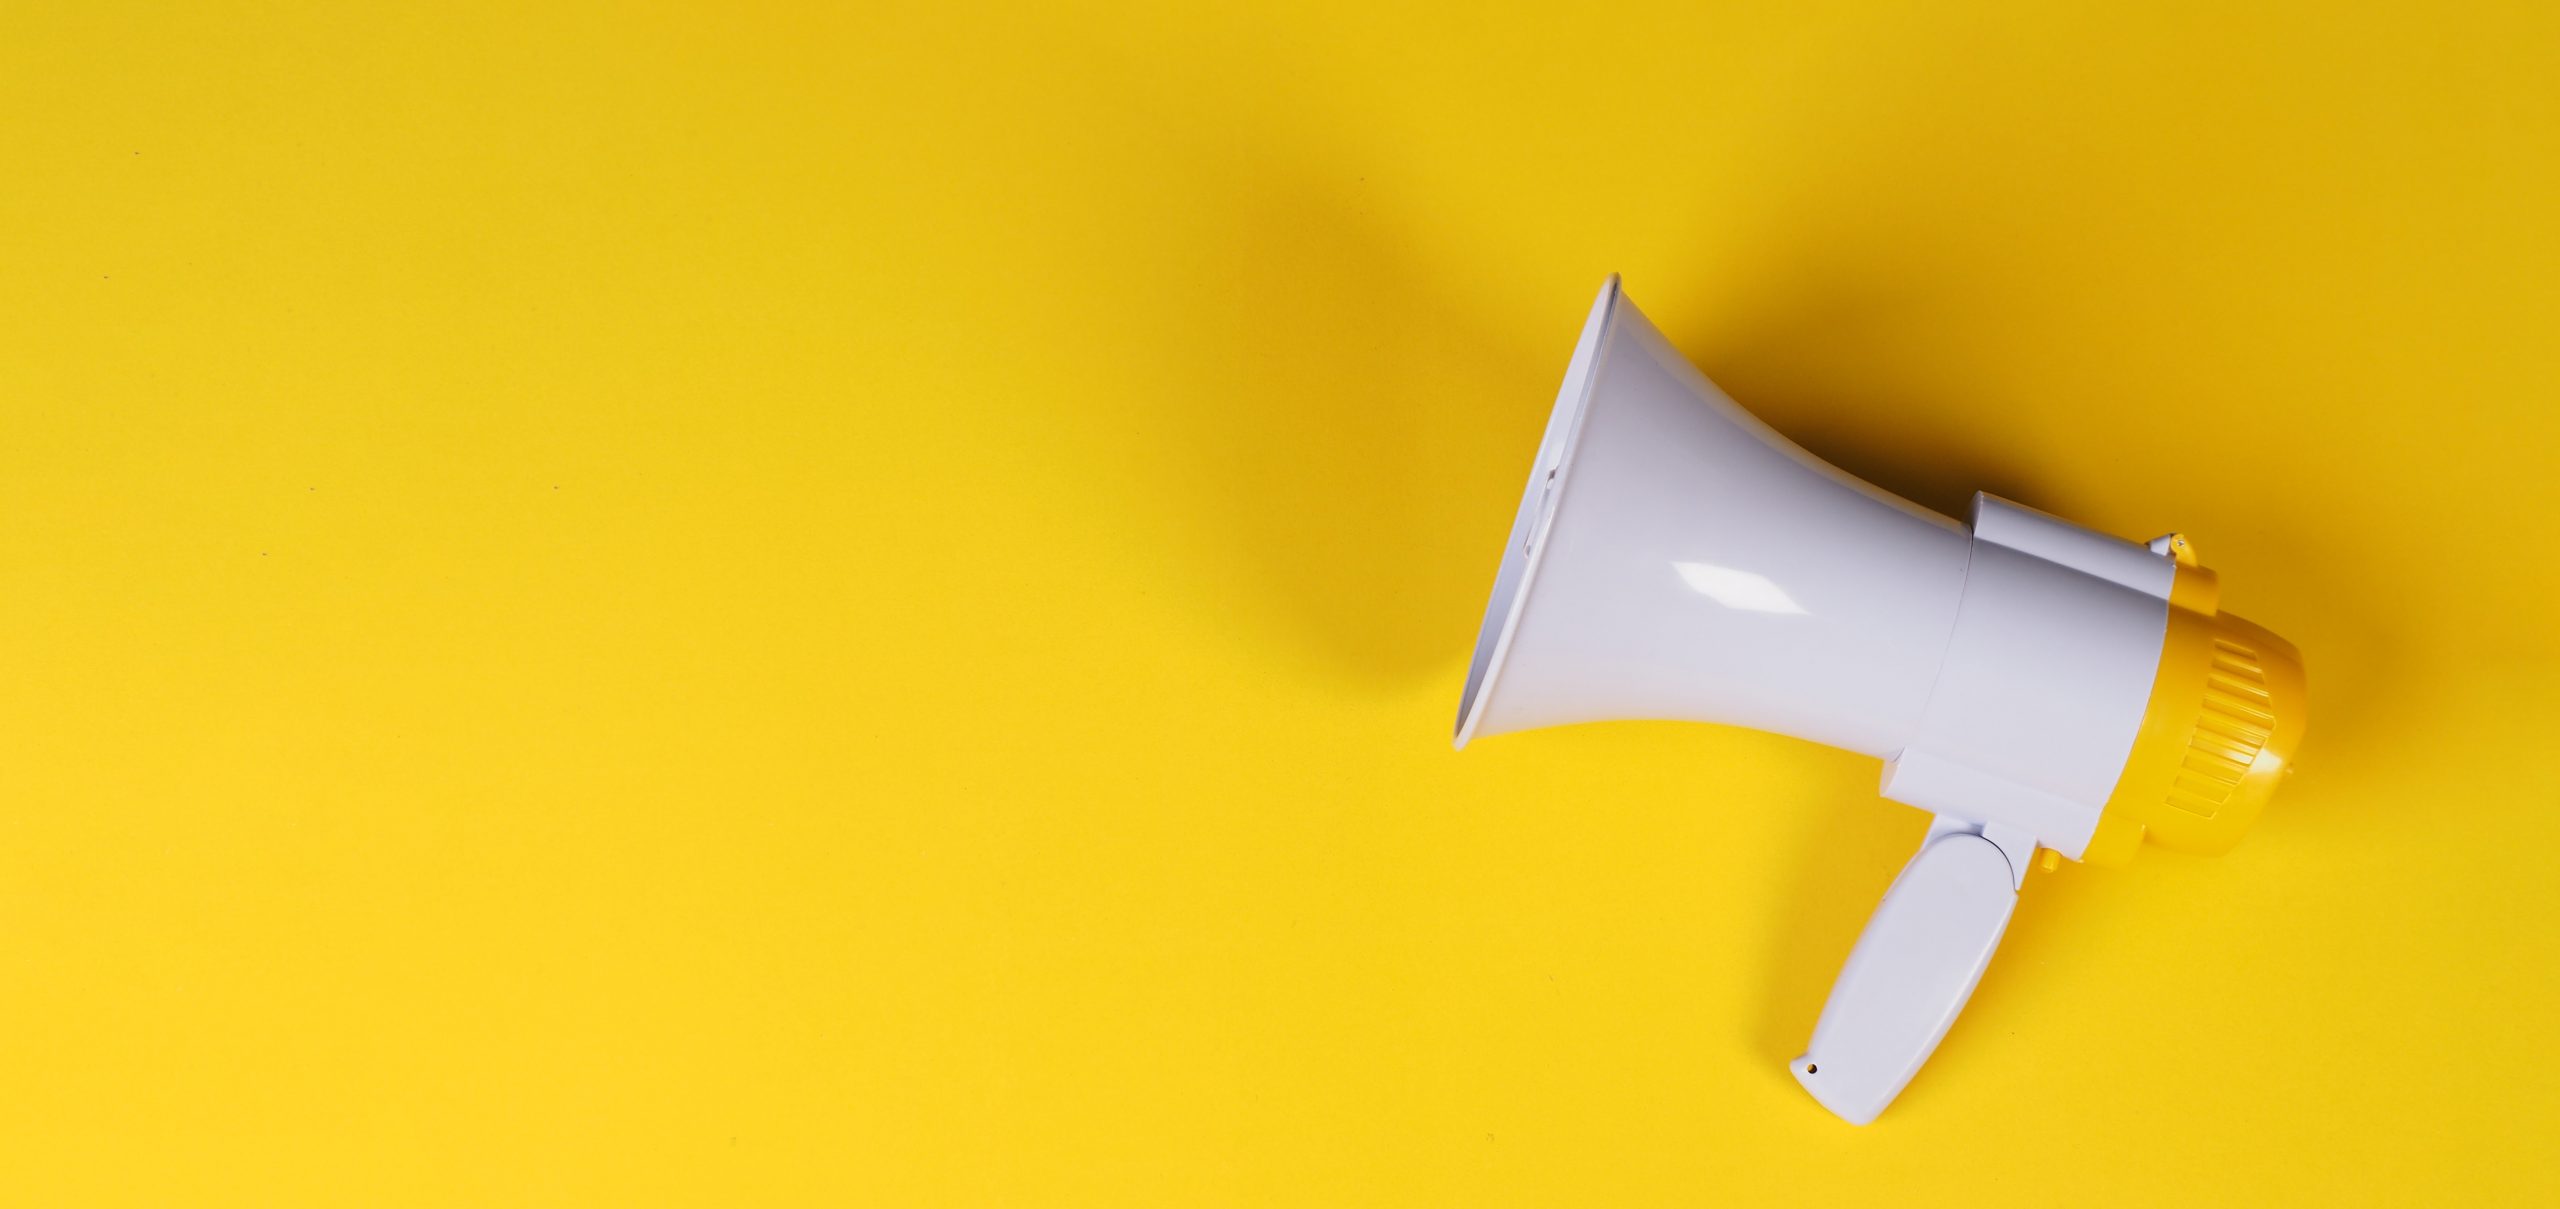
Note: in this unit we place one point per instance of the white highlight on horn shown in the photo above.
(1736, 589)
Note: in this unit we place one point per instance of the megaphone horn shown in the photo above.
(2033, 685)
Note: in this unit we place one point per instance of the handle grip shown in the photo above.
(1912, 970)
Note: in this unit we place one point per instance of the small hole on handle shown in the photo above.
(1810, 1068)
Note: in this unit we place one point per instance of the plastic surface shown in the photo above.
(1673, 557)
(1529, 523)
(2228, 707)
(2046, 675)
(1913, 968)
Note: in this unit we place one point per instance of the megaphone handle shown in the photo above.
(1913, 968)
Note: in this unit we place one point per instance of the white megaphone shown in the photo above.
(2030, 683)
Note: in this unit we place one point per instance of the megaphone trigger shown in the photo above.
(1915, 965)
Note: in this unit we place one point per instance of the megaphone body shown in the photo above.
(2033, 685)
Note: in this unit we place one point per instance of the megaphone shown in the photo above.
(2042, 690)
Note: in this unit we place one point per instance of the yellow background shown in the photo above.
(860, 604)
